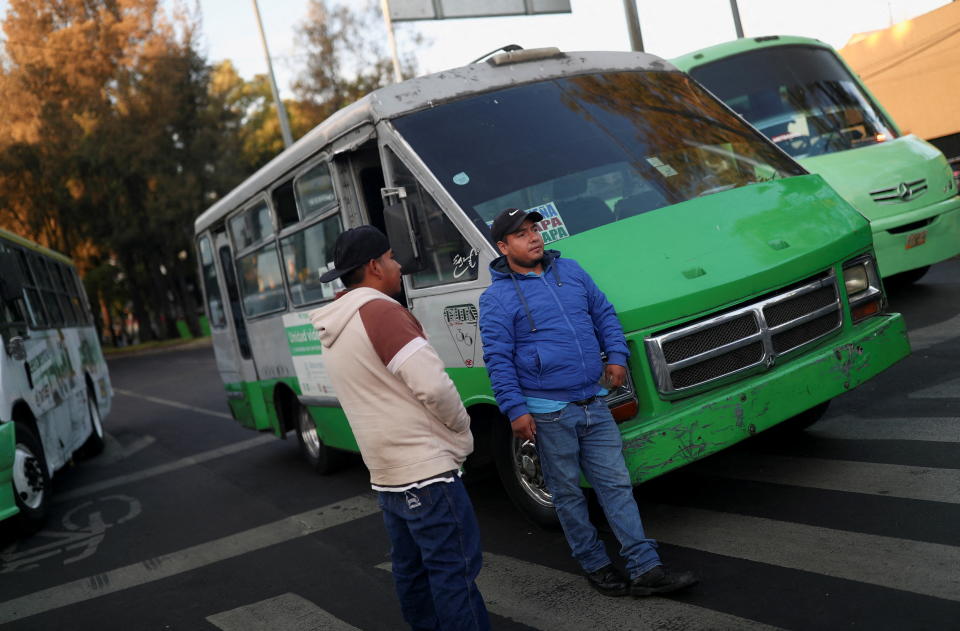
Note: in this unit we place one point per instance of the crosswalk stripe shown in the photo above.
(889, 480)
(287, 612)
(946, 390)
(188, 559)
(189, 461)
(934, 429)
(544, 598)
(928, 336)
(913, 566)
(174, 404)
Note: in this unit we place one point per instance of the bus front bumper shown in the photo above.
(730, 414)
(904, 250)
(8, 506)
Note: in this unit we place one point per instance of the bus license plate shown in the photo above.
(915, 239)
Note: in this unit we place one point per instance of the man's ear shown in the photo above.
(502, 246)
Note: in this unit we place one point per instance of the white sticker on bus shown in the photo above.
(306, 351)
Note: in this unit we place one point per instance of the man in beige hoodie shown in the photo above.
(412, 430)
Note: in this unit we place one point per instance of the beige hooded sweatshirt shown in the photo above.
(402, 406)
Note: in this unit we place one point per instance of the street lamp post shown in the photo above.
(281, 110)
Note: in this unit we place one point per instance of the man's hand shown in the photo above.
(525, 428)
(614, 376)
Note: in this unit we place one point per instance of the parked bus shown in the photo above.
(55, 385)
(804, 97)
(747, 288)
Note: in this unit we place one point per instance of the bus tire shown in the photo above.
(909, 277)
(94, 443)
(519, 468)
(31, 482)
(322, 459)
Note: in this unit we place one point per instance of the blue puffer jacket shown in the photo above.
(543, 336)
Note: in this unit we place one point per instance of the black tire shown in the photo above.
(322, 459)
(31, 482)
(907, 278)
(519, 468)
(94, 443)
(796, 424)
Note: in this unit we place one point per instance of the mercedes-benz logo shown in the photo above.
(904, 192)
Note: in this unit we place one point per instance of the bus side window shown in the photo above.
(42, 273)
(35, 309)
(211, 286)
(11, 311)
(78, 296)
(308, 253)
(258, 260)
(447, 256)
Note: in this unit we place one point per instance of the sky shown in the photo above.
(669, 28)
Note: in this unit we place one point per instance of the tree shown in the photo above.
(346, 57)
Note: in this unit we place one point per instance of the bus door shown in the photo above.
(444, 293)
(231, 340)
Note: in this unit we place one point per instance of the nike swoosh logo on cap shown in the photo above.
(514, 212)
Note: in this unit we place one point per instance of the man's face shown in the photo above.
(523, 246)
(392, 280)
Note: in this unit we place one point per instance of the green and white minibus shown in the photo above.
(56, 388)
(749, 295)
(804, 97)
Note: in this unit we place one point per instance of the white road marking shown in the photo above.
(287, 612)
(889, 480)
(934, 429)
(114, 451)
(931, 335)
(189, 461)
(175, 404)
(545, 598)
(912, 566)
(946, 390)
(188, 559)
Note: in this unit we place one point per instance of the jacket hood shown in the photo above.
(500, 269)
(331, 319)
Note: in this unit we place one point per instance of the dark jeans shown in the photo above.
(587, 438)
(436, 556)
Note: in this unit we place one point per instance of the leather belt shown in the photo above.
(585, 402)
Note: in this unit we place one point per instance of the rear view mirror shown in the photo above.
(403, 239)
(11, 283)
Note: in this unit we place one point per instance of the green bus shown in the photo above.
(55, 382)
(802, 95)
(749, 295)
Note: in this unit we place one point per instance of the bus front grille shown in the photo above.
(746, 339)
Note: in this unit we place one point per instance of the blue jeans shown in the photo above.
(587, 438)
(436, 556)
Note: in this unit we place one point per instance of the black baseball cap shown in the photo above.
(509, 220)
(355, 247)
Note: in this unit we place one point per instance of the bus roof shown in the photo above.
(742, 45)
(36, 247)
(423, 92)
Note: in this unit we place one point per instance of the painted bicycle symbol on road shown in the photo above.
(83, 529)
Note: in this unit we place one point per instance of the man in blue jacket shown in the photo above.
(545, 326)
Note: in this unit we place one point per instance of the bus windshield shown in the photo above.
(588, 150)
(801, 97)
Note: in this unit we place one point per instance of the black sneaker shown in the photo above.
(608, 581)
(661, 581)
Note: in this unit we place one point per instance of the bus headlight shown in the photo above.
(862, 281)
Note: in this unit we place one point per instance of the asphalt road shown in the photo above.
(188, 521)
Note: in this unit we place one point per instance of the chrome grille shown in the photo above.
(902, 192)
(746, 339)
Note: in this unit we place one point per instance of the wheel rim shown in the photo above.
(94, 411)
(526, 466)
(308, 433)
(28, 481)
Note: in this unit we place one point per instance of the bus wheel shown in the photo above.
(31, 482)
(321, 458)
(908, 277)
(94, 444)
(519, 467)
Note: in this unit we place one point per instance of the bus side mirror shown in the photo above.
(11, 283)
(403, 239)
(16, 349)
